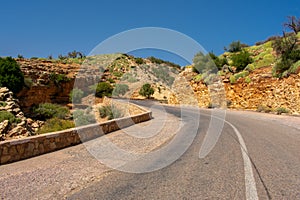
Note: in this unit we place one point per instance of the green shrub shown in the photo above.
(58, 78)
(219, 62)
(241, 60)
(11, 75)
(3, 104)
(118, 74)
(211, 105)
(235, 46)
(139, 61)
(281, 68)
(266, 61)
(110, 80)
(104, 89)
(281, 110)
(248, 80)
(265, 109)
(146, 90)
(47, 111)
(160, 61)
(232, 79)
(76, 95)
(294, 69)
(129, 77)
(162, 73)
(111, 111)
(55, 124)
(197, 78)
(288, 49)
(120, 89)
(5, 115)
(242, 74)
(82, 117)
(250, 67)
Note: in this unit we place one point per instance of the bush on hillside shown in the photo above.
(83, 117)
(220, 62)
(111, 111)
(47, 111)
(120, 89)
(11, 75)
(235, 46)
(241, 60)
(103, 89)
(5, 115)
(76, 95)
(146, 90)
(58, 78)
(289, 53)
(55, 124)
(139, 61)
(282, 110)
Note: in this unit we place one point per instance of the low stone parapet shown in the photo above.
(19, 149)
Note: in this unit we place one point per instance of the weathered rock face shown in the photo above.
(19, 128)
(263, 90)
(30, 97)
(44, 87)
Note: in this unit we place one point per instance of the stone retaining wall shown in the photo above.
(19, 149)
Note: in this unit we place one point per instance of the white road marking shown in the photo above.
(211, 139)
(251, 191)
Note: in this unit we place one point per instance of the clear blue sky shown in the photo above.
(43, 28)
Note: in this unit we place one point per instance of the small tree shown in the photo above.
(235, 46)
(146, 90)
(293, 24)
(11, 75)
(287, 49)
(103, 89)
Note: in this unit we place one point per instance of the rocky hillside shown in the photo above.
(254, 88)
(16, 125)
(52, 80)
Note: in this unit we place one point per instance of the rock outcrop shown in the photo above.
(20, 126)
(263, 90)
(52, 81)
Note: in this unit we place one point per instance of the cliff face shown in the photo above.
(51, 81)
(42, 84)
(263, 91)
(51, 93)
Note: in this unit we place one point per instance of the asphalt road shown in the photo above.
(256, 156)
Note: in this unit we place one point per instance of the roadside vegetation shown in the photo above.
(11, 75)
(146, 90)
(56, 117)
(111, 112)
(239, 60)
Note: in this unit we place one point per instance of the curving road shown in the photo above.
(255, 157)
